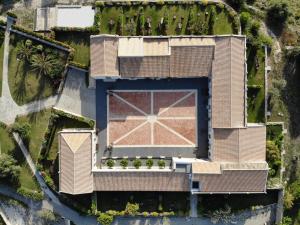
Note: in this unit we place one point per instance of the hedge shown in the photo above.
(37, 196)
(92, 29)
(37, 35)
(79, 65)
(12, 15)
(55, 115)
(2, 23)
(254, 86)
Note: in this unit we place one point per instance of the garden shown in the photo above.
(79, 40)
(256, 84)
(1, 56)
(19, 175)
(170, 18)
(273, 157)
(34, 69)
(48, 158)
(178, 203)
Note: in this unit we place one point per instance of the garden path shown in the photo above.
(8, 108)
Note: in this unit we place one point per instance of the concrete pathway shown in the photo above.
(51, 199)
(76, 98)
(193, 205)
(2, 214)
(8, 108)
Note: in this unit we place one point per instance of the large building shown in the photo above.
(179, 101)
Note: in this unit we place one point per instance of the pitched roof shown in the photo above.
(239, 178)
(228, 83)
(239, 145)
(104, 56)
(75, 162)
(141, 181)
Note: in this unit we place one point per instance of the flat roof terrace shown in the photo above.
(152, 118)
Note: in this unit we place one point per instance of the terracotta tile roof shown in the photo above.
(228, 83)
(150, 66)
(206, 168)
(239, 145)
(104, 56)
(75, 162)
(235, 178)
(191, 61)
(141, 181)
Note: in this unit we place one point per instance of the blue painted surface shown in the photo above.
(199, 84)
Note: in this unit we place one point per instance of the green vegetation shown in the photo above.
(1, 57)
(26, 181)
(163, 204)
(273, 157)
(149, 163)
(38, 126)
(48, 157)
(161, 163)
(124, 163)
(105, 219)
(80, 41)
(9, 170)
(137, 163)
(34, 70)
(110, 163)
(165, 19)
(256, 84)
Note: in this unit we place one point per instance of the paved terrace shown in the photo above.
(198, 85)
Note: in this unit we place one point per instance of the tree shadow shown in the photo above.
(20, 90)
(291, 93)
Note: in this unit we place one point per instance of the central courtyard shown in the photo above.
(153, 118)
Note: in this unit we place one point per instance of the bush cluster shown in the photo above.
(12, 15)
(37, 196)
(40, 36)
(24, 130)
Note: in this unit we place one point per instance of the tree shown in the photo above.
(8, 167)
(137, 163)
(45, 64)
(278, 12)
(105, 219)
(124, 163)
(149, 163)
(23, 130)
(245, 18)
(24, 50)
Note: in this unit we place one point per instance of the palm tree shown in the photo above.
(24, 50)
(44, 64)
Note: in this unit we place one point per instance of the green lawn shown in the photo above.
(256, 84)
(39, 123)
(1, 57)
(80, 41)
(8, 146)
(25, 84)
(125, 20)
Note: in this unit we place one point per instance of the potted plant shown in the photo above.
(124, 163)
(161, 163)
(110, 163)
(149, 163)
(137, 163)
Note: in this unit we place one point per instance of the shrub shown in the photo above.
(124, 163)
(23, 130)
(288, 200)
(37, 196)
(295, 189)
(110, 163)
(12, 15)
(155, 214)
(145, 214)
(78, 65)
(132, 209)
(161, 163)
(149, 163)
(137, 163)
(255, 27)
(273, 154)
(8, 167)
(105, 219)
(286, 221)
(278, 12)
